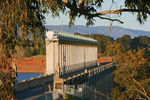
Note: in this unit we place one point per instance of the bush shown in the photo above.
(28, 52)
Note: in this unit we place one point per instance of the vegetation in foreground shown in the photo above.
(71, 97)
(132, 76)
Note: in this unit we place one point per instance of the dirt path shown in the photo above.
(38, 64)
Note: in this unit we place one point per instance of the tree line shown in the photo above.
(35, 49)
(132, 75)
(126, 41)
(103, 41)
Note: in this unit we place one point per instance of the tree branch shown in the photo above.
(85, 12)
(145, 93)
(99, 14)
(111, 19)
(135, 90)
(122, 10)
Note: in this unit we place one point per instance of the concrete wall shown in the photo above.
(102, 87)
(49, 96)
(76, 57)
(51, 56)
(27, 84)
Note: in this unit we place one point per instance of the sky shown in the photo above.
(128, 18)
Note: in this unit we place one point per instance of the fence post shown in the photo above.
(46, 97)
(107, 96)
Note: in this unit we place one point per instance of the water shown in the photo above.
(27, 76)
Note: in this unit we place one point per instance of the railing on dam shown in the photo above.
(99, 69)
(33, 82)
(78, 79)
(85, 76)
(79, 85)
(89, 73)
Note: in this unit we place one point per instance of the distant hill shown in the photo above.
(117, 31)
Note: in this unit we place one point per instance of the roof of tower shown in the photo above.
(53, 36)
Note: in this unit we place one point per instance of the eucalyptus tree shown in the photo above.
(22, 20)
(132, 75)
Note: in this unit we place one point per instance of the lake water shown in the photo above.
(27, 76)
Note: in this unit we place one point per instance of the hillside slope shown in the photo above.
(37, 64)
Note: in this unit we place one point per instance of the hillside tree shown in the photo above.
(28, 53)
(43, 48)
(132, 75)
(125, 41)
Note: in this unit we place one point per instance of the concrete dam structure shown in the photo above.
(72, 68)
(73, 61)
(66, 53)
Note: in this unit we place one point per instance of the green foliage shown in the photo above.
(20, 21)
(70, 97)
(102, 41)
(7, 79)
(39, 48)
(23, 20)
(125, 41)
(28, 52)
(141, 41)
(139, 4)
(7, 53)
(132, 75)
(114, 48)
(34, 52)
(42, 48)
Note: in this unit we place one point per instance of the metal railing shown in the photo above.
(83, 92)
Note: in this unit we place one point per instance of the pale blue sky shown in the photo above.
(128, 19)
